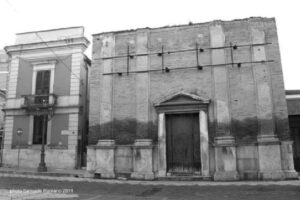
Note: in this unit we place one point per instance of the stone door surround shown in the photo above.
(182, 102)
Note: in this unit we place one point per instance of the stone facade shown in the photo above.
(228, 73)
(61, 53)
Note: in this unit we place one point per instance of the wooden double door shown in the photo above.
(183, 143)
(295, 134)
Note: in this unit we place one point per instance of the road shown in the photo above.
(29, 188)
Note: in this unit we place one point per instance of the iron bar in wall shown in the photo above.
(192, 67)
(183, 50)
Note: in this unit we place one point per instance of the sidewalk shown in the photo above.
(78, 176)
(51, 173)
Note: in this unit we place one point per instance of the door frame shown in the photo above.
(169, 134)
(294, 124)
(187, 103)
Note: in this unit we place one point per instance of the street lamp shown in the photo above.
(42, 166)
(19, 134)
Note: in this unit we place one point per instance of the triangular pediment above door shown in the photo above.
(182, 98)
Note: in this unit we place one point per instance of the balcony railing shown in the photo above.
(39, 102)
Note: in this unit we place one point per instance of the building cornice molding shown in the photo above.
(44, 62)
(199, 99)
(66, 43)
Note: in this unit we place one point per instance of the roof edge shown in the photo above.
(49, 30)
(182, 25)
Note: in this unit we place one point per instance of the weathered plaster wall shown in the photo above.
(252, 95)
(30, 158)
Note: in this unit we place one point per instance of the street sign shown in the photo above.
(19, 131)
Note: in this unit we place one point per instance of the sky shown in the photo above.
(111, 15)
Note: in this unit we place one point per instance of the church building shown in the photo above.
(200, 100)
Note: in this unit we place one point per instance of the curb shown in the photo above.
(164, 183)
(52, 174)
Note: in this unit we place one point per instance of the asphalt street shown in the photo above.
(32, 188)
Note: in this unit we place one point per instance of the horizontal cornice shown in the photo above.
(66, 43)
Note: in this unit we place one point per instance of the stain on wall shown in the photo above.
(123, 131)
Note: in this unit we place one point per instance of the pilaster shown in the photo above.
(162, 158)
(77, 61)
(73, 129)
(269, 158)
(142, 85)
(287, 160)
(8, 132)
(105, 158)
(143, 160)
(204, 143)
(106, 84)
(13, 78)
(262, 80)
(220, 77)
(225, 159)
(225, 151)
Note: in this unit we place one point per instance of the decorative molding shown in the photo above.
(37, 68)
(192, 97)
(44, 62)
(39, 46)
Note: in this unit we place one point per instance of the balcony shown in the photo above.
(39, 103)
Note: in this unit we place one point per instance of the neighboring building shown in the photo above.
(48, 77)
(2, 104)
(3, 70)
(3, 83)
(293, 104)
(3, 87)
(202, 100)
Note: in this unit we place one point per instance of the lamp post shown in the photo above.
(19, 134)
(42, 166)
